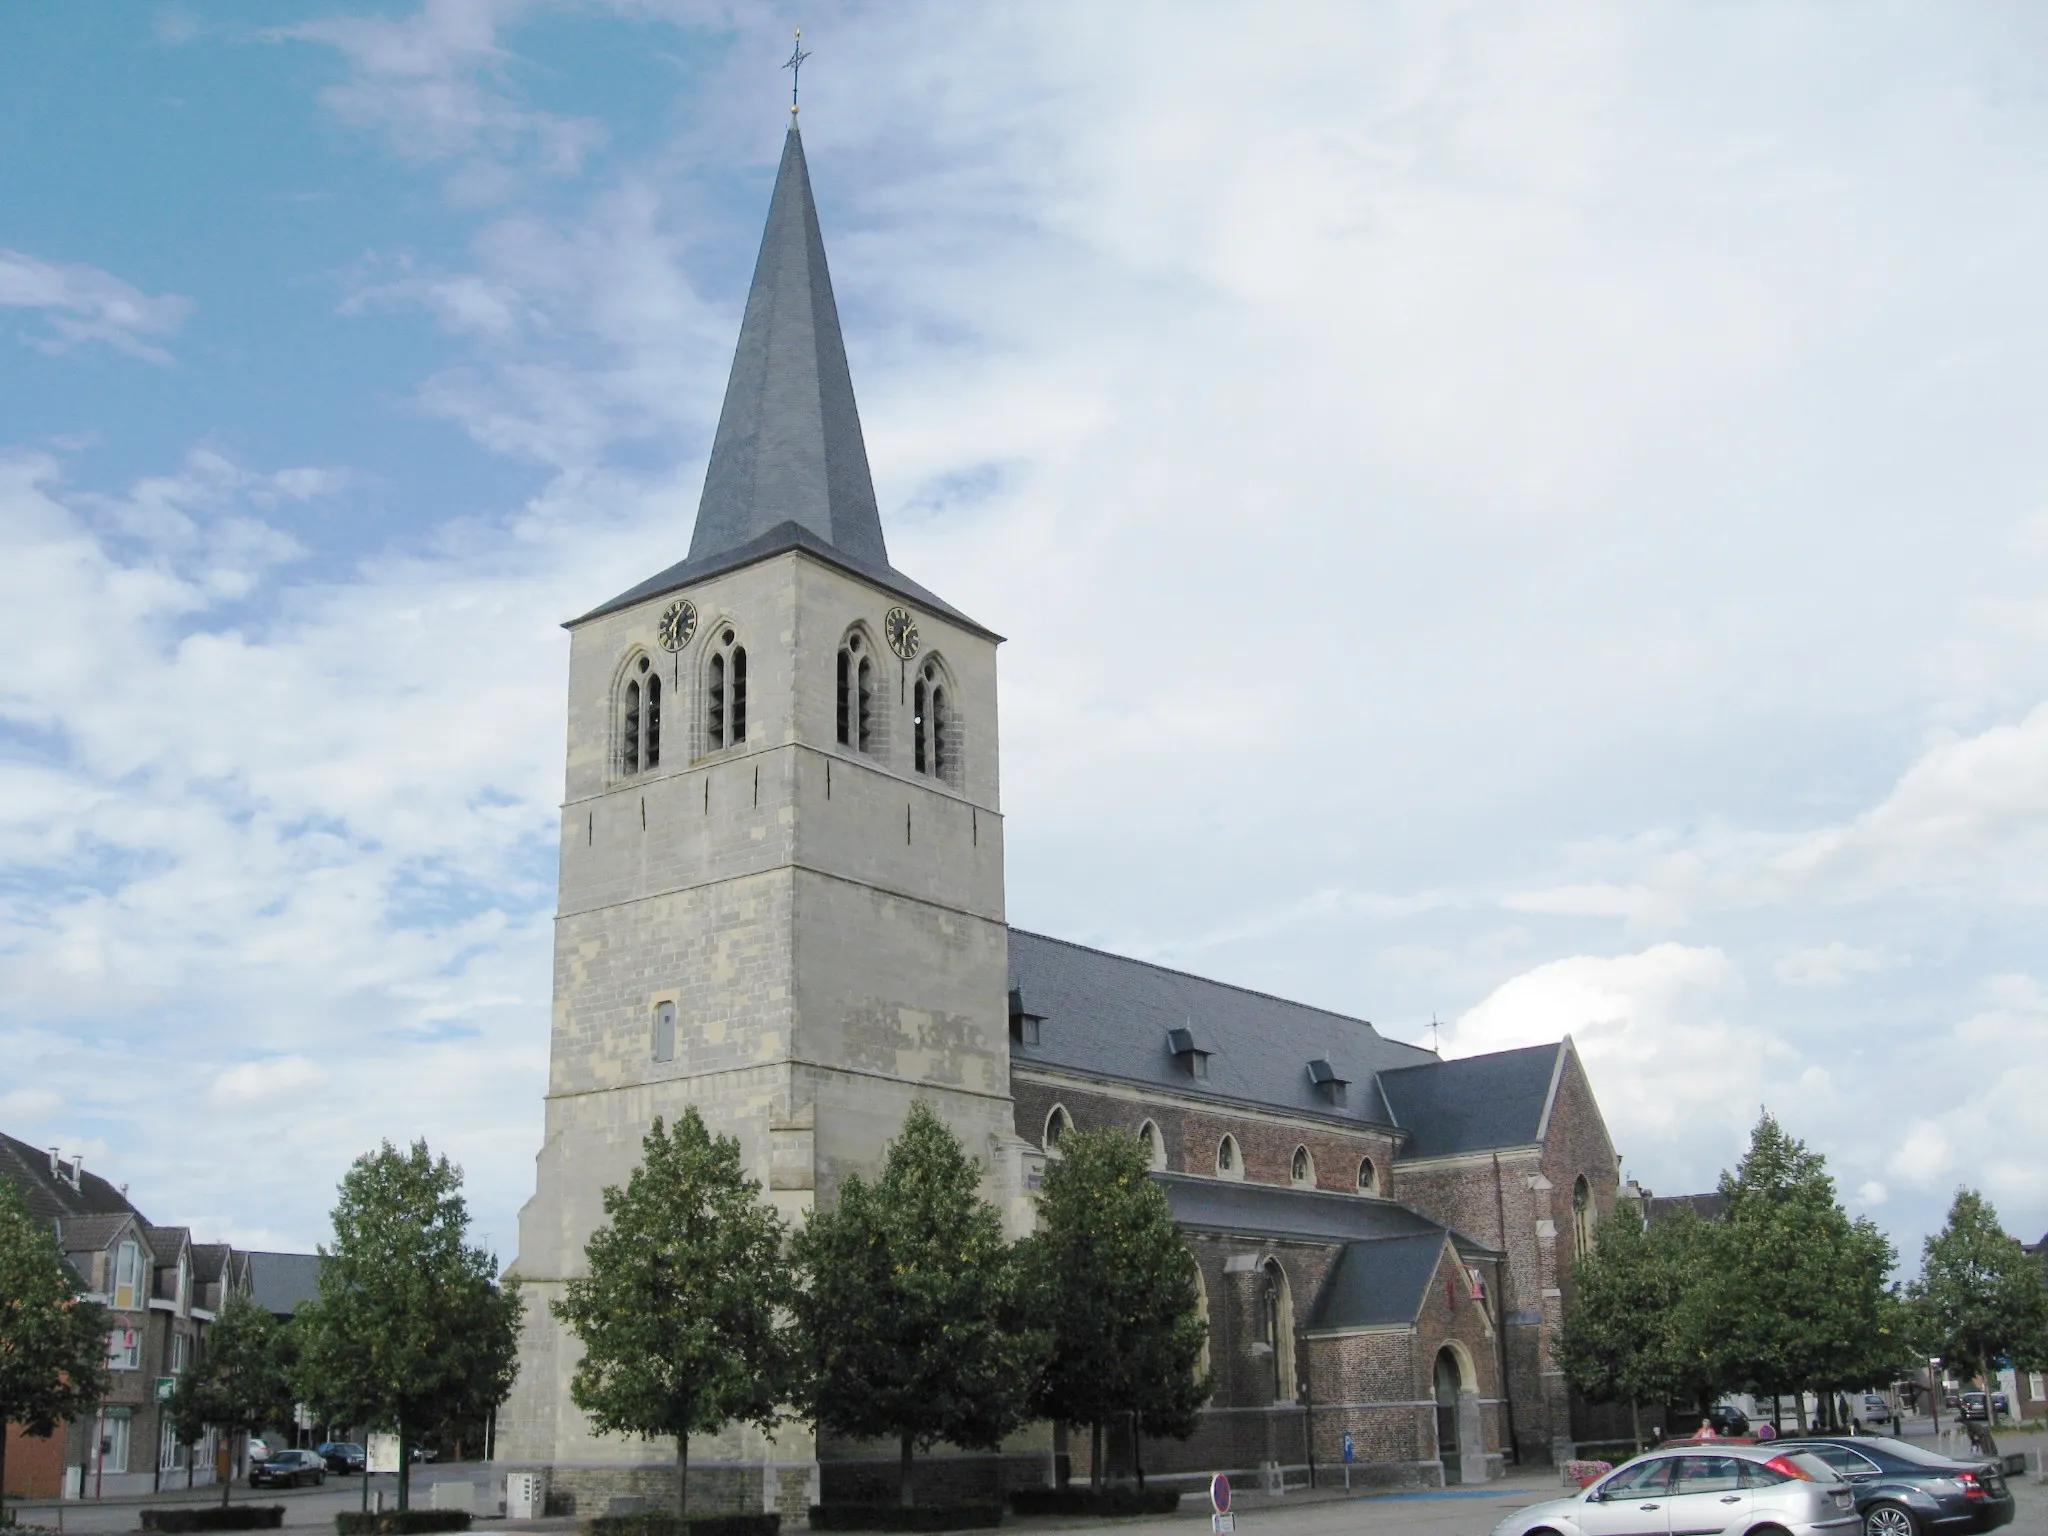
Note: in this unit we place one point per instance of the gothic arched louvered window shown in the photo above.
(934, 732)
(725, 695)
(1582, 1217)
(640, 719)
(857, 713)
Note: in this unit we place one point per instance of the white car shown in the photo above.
(1701, 1489)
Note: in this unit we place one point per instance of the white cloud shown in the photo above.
(1829, 965)
(82, 304)
(278, 1085)
(30, 1106)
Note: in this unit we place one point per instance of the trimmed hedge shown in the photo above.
(661, 1522)
(400, 1522)
(896, 1517)
(1086, 1501)
(215, 1517)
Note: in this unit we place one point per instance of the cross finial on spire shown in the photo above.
(795, 65)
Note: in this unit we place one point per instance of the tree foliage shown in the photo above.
(678, 1313)
(910, 1308)
(1980, 1298)
(1114, 1288)
(410, 1327)
(1628, 1336)
(53, 1346)
(239, 1384)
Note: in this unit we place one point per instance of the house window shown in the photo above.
(1153, 1144)
(725, 695)
(1056, 1126)
(170, 1450)
(1227, 1160)
(664, 1031)
(181, 1349)
(113, 1446)
(1302, 1171)
(124, 1349)
(1368, 1177)
(1582, 1217)
(640, 719)
(128, 1278)
(857, 716)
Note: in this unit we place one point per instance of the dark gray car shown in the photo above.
(1906, 1490)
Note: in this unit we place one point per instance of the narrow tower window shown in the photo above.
(650, 754)
(846, 725)
(725, 694)
(941, 768)
(714, 705)
(664, 1031)
(739, 694)
(629, 734)
(1368, 1177)
(918, 757)
(864, 698)
(856, 693)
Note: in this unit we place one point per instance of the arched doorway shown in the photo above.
(1448, 1380)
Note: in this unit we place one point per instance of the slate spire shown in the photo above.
(789, 445)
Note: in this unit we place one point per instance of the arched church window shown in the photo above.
(1582, 1216)
(1276, 1318)
(1227, 1160)
(1302, 1171)
(640, 719)
(1153, 1145)
(857, 700)
(1056, 1127)
(725, 695)
(1368, 1177)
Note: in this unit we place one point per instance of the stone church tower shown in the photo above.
(781, 869)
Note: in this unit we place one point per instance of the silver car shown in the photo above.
(1701, 1490)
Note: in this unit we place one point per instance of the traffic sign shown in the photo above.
(165, 1387)
(1350, 1450)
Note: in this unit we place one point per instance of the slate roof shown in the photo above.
(1107, 1015)
(50, 1196)
(1475, 1103)
(1374, 1284)
(279, 1282)
(789, 466)
(1267, 1210)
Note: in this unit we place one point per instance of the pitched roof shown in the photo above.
(1377, 1283)
(1108, 1016)
(1711, 1206)
(280, 1282)
(1267, 1210)
(210, 1261)
(50, 1195)
(1475, 1103)
(89, 1234)
(789, 466)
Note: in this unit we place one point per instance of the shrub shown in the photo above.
(400, 1522)
(1086, 1501)
(894, 1517)
(215, 1517)
(658, 1522)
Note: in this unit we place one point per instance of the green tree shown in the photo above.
(1979, 1297)
(1627, 1336)
(678, 1313)
(1114, 1288)
(910, 1315)
(53, 1346)
(410, 1327)
(1793, 1293)
(239, 1384)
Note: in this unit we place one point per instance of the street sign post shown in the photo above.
(1350, 1455)
(1222, 1522)
(165, 1387)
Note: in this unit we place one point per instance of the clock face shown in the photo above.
(677, 625)
(901, 629)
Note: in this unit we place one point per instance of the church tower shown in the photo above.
(781, 864)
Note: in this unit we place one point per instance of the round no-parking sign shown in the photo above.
(1219, 1493)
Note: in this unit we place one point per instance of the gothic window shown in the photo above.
(934, 727)
(1202, 1309)
(1276, 1318)
(1228, 1164)
(1056, 1126)
(640, 718)
(725, 695)
(1368, 1177)
(1582, 1217)
(1302, 1171)
(664, 1031)
(1153, 1144)
(858, 713)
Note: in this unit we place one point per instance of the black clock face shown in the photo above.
(677, 625)
(901, 629)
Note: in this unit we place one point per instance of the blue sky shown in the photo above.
(1535, 520)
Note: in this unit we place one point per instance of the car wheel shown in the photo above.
(1889, 1520)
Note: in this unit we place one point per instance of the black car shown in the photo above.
(288, 1469)
(1971, 1405)
(1728, 1419)
(342, 1456)
(1904, 1490)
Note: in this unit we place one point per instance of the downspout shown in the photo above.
(1500, 1334)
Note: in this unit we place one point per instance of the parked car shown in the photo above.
(1728, 1419)
(1905, 1490)
(1972, 1404)
(259, 1449)
(1875, 1409)
(1695, 1488)
(342, 1456)
(288, 1469)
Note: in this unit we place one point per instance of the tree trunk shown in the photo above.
(227, 1482)
(682, 1475)
(1799, 1402)
(1777, 1414)
(1095, 1456)
(903, 1487)
(1635, 1423)
(1137, 1454)
(404, 1464)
